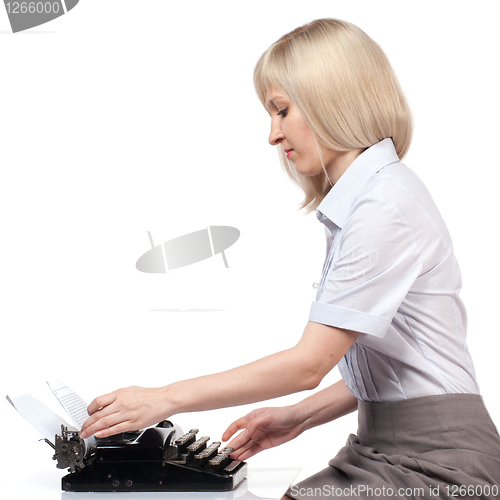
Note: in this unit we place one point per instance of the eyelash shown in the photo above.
(283, 112)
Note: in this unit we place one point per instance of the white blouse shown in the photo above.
(391, 274)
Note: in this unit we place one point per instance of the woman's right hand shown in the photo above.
(264, 428)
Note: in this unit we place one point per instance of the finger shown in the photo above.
(103, 422)
(238, 441)
(115, 429)
(101, 402)
(246, 445)
(242, 422)
(96, 416)
(89, 422)
(237, 425)
(255, 424)
(256, 448)
(250, 434)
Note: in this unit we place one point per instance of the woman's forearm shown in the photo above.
(136, 407)
(269, 377)
(293, 370)
(326, 405)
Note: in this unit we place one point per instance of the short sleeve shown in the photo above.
(373, 263)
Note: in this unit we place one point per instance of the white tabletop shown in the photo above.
(260, 484)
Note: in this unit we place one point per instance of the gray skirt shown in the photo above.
(442, 446)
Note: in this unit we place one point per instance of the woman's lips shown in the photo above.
(288, 152)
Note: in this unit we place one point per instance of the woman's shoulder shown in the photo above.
(397, 194)
(400, 186)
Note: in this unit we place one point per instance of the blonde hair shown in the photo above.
(344, 86)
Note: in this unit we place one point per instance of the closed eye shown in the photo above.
(283, 112)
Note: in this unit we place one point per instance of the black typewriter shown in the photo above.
(157, 459)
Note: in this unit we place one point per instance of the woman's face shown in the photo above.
(289, 128)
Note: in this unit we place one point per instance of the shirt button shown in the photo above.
(315, 285)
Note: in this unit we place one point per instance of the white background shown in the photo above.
(124, 117)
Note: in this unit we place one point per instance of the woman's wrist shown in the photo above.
(170, 401)
(325, 406)
(303, 415)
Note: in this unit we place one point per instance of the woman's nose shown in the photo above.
(276, 136)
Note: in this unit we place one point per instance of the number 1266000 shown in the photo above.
(33, 7)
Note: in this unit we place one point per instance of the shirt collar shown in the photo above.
(337, 203)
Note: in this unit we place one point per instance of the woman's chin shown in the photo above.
(306, 172)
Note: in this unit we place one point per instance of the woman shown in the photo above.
(387, 312)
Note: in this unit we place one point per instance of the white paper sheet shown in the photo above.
(72, 403)
(43, 419)
(47, 422)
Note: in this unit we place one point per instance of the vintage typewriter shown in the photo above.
(160, 458)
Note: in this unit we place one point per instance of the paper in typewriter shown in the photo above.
(42, 418)
(47, 422)
(74, 405)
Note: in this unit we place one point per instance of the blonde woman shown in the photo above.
(387, 311)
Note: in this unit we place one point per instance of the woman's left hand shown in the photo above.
(264, 428)
(124, 410)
